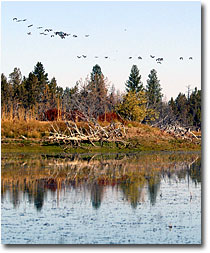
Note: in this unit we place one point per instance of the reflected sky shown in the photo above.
(135, 176)
(152, 198)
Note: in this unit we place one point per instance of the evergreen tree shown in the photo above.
(5, 90)
(6, 96)
(134, 82)
(42, 77)
(52, 89)
(133, 106)
(153, 90)
(195, 107)
(97, 92)
(15, 79)
(31, 86)
(182, 109)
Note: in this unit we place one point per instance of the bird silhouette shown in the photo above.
(14, 19)
(159, 62)
(106, 57)
(61, 34)
(24, 19)
(75, 36)
(30, 25)
(52, 36)
(180, 58)
(190, 58)
(19, 20)
(130, 57)
(79, 57)
(84, 56)
(159, 59)
(139, 58)
(96, 56)
(152, 56)
(87, 35)
(39, 27)
(29, 33)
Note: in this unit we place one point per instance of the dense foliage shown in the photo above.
(30, 97)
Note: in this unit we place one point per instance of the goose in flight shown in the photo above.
(61, 34)
(159, 59)
(14, 19)
(78, 56)
(24, 19)
(190, 58)
(74, 35)
(84, 56)
(106, 57)
(130, 57)
(29, 33)
(30, 25)
(152, 56)
(139, 58)
(39, 27)
(180, 58)
(87, 35)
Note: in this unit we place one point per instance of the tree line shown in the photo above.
(30, 97)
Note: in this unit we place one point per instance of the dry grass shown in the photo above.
(140, 136)
(19, 128)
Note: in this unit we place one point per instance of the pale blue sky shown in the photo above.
(164, 29)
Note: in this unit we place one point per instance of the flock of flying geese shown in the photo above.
(47, 31)
(63, 35)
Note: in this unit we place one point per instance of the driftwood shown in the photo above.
(92, 133)
(179, 131)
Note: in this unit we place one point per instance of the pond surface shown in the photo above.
(152, 198)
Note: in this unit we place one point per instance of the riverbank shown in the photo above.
(33, 136)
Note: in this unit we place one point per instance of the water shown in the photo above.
(117, 199)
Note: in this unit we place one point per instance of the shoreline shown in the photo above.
(37, 145)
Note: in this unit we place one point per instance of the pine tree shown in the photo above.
(97, 92)
(6, 96)
(153, 90)
(31, 86)
(15, 79)
(134, 82)
(195, 107)
(182, 109)
(133, 106)
(52, 88)
(5, 90)
(42, 77)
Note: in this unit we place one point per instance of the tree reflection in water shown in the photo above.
(96, 195)
(133, 175)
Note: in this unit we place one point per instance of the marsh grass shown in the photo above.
(140, 137)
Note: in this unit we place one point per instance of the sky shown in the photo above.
(118, 30)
